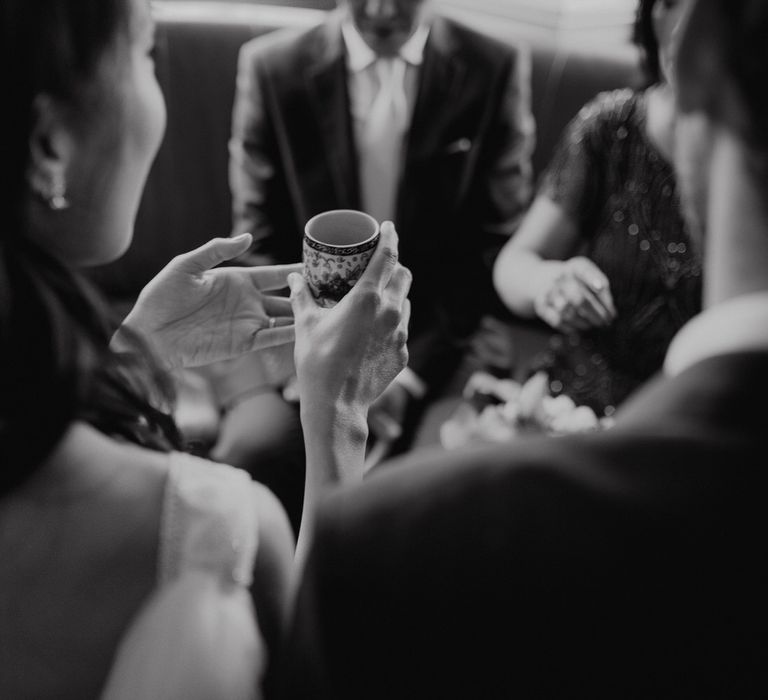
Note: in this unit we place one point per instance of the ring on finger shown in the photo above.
(272, 322)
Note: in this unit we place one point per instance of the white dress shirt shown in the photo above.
(363, 86)
(736, 325)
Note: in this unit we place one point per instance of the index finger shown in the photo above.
(270, 277)
(384, 258)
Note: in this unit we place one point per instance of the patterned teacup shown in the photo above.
(337, 247)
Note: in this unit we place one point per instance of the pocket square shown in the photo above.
(461, 145)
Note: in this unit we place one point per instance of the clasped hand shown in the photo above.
(578, 297)
(194, 315)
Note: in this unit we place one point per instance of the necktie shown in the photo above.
(382, 140)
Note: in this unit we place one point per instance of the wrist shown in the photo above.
(128, 338)
(335, 420)
(335, 436)
(544, 280)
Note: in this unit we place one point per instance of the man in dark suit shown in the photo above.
(623, 564)
(452, 172)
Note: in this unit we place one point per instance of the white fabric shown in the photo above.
(381, 141)
(737, 325)
(381, 119)
(197, 637)
(382, 96)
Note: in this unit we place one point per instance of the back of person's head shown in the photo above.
(55, 366)
(744, 37)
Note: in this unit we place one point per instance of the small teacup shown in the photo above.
(337, 247)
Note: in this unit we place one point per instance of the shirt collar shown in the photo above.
(360, 55)
(737, 325)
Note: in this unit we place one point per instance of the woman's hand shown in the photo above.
(193, 315)
(347, 356)
(577, 297)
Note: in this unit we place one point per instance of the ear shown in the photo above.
(51, 147)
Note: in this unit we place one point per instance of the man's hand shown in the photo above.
(578, 298)
(194, 315)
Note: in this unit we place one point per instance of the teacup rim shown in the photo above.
(372, 237)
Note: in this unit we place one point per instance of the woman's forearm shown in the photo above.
(335, 437)
(520, 276)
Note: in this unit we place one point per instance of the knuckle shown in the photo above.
(401, 337)
(369, 298)
(390, 253)
(390, 316)
(404, 272)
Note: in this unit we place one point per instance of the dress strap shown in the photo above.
(209, 521)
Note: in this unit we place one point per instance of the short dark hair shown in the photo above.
(55, 363)
(644, 37)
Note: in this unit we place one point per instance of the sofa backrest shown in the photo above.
(186, 201)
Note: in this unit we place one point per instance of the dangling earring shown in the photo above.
(56, 198)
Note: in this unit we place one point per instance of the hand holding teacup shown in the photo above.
(350, 353)
(337, 247)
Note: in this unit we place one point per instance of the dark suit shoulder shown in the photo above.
(474, 44)
(537, 488)
(496, 488)
(284, 49)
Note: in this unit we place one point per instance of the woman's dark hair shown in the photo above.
(644, 37)
(55, 363)
(746, 52)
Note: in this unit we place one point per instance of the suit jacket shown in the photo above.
(626, 564)
(465, 178)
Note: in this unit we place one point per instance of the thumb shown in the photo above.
(301, 297)
(214, 252)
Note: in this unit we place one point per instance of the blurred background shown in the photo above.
(594, 23)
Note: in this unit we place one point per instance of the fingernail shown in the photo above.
(241, 236)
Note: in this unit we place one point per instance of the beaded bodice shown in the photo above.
(621, 192)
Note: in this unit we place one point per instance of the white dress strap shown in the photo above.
(209, 522)
(197, 637)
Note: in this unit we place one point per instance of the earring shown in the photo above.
(57, 199)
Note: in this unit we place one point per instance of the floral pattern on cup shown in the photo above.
(331, 272)
(337, 247)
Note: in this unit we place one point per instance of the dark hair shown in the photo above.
(55, 362)
(644, 37)
(745, 25)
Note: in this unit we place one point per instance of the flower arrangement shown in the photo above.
(497, 410)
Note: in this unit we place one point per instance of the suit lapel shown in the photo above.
(326, 83)
(440, 83)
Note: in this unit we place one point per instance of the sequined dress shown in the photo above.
(619, 189)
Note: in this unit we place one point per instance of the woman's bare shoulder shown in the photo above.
(89, 521)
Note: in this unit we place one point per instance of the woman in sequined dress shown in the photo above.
(603, 255)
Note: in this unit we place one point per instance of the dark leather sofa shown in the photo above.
(187, 199)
